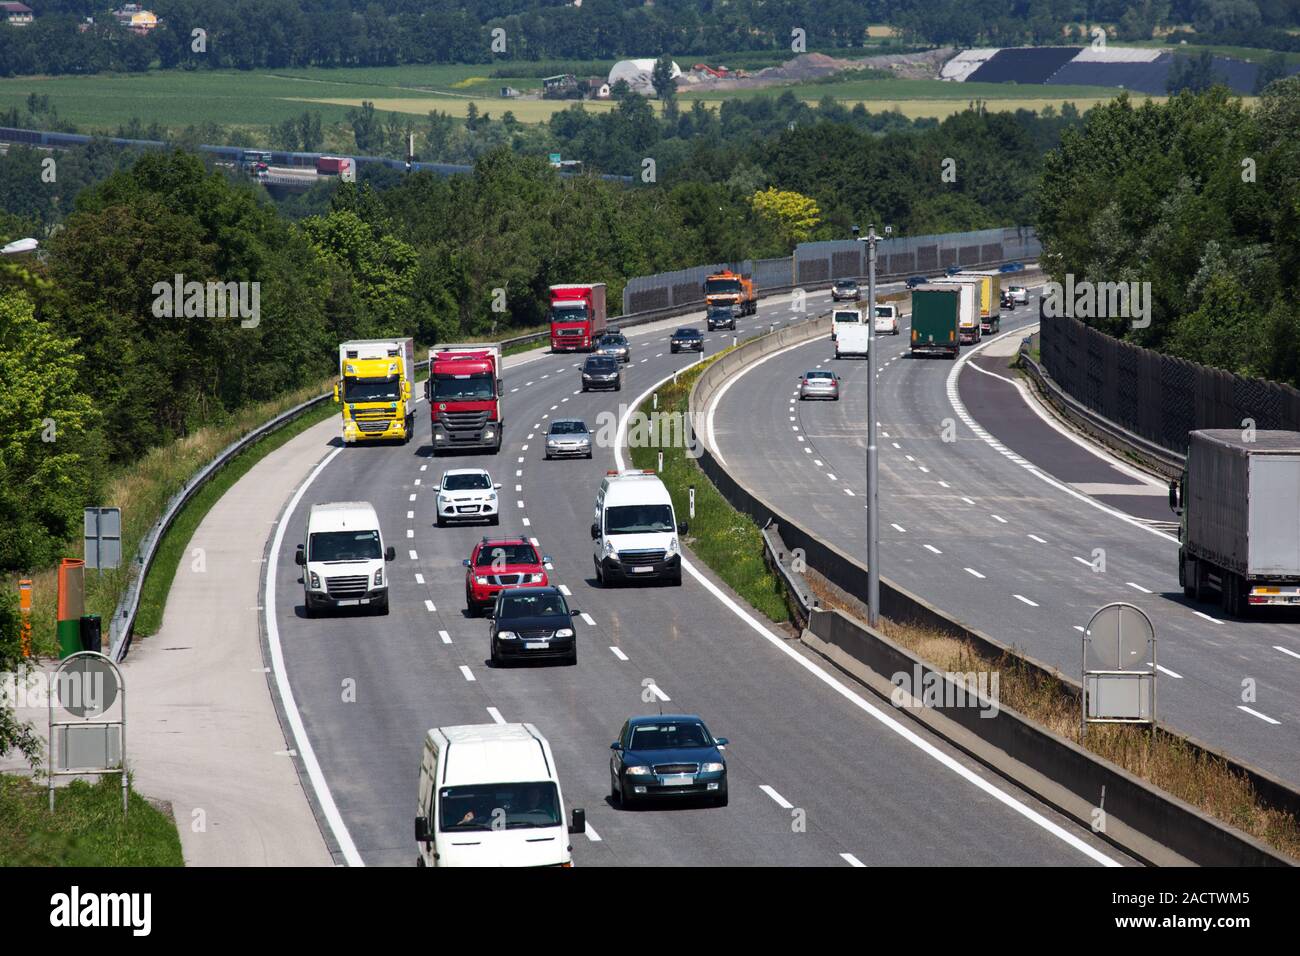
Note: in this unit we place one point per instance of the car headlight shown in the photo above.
(536, 578)
(315, 581)
(552, 443)
(609, 549)
(507, 635)
(492, 497)
(672, 545)
(584, 440)
(564, 632)
(379, 578)
(479, 579)
(637, 771)
(712, 768)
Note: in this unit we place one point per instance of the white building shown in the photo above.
(637, 75)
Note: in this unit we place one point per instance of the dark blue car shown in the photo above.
(914, 281)
(672, 755)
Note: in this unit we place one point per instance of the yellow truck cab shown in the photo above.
(374, 388)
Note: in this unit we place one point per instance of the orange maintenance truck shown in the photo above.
(730, 288)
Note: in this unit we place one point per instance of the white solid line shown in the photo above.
(851, 860)
(419, 578)
(1255, 713)
(466, 672)
(618, 653)
(1212, 620)
(495, 715)
(974, 572)
(886, 720)
(1137, 587)
(446, 638)
(301, 742)
(587, 618)
(1279, 647)
(1021, 597)
(429, 606)
(931, 548)
(1036, 538)
(781, 801)
(564, 589)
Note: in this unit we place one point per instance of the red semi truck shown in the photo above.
(464, 392)
(578, 317)
(333, 165)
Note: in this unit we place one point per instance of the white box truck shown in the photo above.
(968, 316)
(489, 795)
(1238, 502)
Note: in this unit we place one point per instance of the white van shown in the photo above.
(851, 334)
(635, 529)
(490, 796)
(343, 558)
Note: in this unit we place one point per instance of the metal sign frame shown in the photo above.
(96, 518)
(120, 723)
(1101, 679)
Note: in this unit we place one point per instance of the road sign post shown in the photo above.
(88, 697)
(1119, 668)
(103, 537)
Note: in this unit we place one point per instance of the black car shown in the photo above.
(532, 624)
(671, 755)
(687, 340)
(914, 281)
(1008, 301)
(614, 345)
(721, 317)
(845, 289)
(601, 371)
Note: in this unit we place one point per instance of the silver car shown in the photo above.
(818, 383)
(614, 344)
(568, 438)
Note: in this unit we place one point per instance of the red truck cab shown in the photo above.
(498, 563)
(464, 392)
(578, 317)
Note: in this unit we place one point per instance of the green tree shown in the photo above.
(661, 78)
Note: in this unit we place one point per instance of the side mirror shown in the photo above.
(616, 746)
(546, 559)
(595, 530)
(574, 612)
(426, 387)
(497, 486)
(465, 563)
(490, 611)
(682, 527)
(300, 557)
(1173, 495)
(406, 390)
(422, 830)
(579, 824)
(336, 393)
(390, 554)
(722, 741)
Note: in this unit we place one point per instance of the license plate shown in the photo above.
(536, 645)
(679, 780)
(641, 570)
(347, 602)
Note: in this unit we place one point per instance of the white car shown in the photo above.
(887, 319)
(1019, 294)
(467, 494)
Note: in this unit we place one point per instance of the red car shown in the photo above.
(498, 563)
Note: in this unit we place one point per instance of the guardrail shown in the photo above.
(845, 572)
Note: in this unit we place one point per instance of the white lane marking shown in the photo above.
(618, 653)
(521, 459)
(564, 589)
(781, 801)
(414, 556)
(898, 527)
(424, 467)
(429, 606)
(1279, 647)
(412, 498)
(446, 638)
(527, 523)
(587, 618)
(818, 462)
(851, 860)
(592, 835)
(519, 473)
(924, 469)
(1083, 561)
(931, 548)
(467, 673)
(519, 504)
(1079, 628)
(410, 533)
(886, 720)
(944, 484)
(1212, 620)
(969, 501)
(909, 458)
(831, 476)
(896, 444)
(530, 435)
(998, 518)
(301, 742)
(1021, 597)
(974, 572)
(523, 447)
(1137, 587)
(1255, 713)
(495, 715)
(654, 689)
(518, 488)
(417, 481)
(1036, 538)
(1165, 670)
(419, 578)
(849, 492)
(410, 514)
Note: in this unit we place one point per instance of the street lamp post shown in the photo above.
(873, 512)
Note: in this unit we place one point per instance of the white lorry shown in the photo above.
(852, 336)
(968, 316)
(489, 795)
(343, 558)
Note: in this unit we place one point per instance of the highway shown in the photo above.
(822, 772)
(1011, 526)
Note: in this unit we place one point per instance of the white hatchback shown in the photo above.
(467, 494)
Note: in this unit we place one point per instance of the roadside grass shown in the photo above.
(87, 827)
(172, 547)
(1163, 760)
(726, 540)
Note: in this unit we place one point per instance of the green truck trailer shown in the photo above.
(936, 311)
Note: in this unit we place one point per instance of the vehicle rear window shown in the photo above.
(817, 375)
(491, 554)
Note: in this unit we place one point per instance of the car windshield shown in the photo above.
(344, 546)
(600, 365)
(569, 313)
(471, 482)
(638, 519)
(846, 284)
(615, 340)
(371, 389)
(532, 605)
(498, 806)
(498, 554)
(466, 387)
(669, 736)
(721, 285)
(568, 428)
(687, 333)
